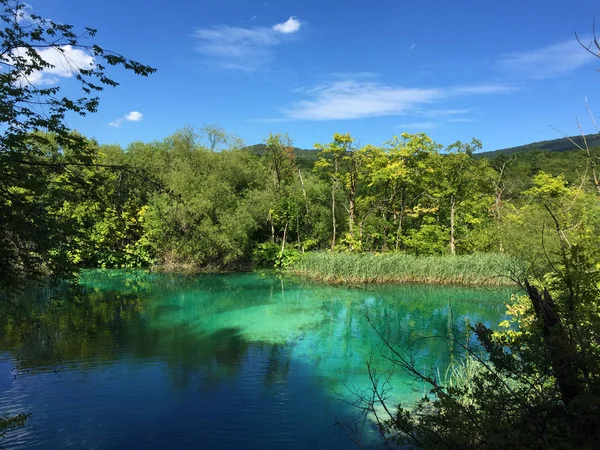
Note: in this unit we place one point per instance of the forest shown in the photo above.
(198, 200)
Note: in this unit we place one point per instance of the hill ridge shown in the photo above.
(553, 145)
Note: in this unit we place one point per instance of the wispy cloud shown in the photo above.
(547, 62)
(133, 116)
(436, 113)
(483, 89)
(439, 117)
(418, 125)
(239, 48)
(412, 47)
(355, 99)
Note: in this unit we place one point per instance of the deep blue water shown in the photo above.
(238, 361)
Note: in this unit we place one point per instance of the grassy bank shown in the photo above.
(350, 268)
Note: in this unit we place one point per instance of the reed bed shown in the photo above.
(483, 269)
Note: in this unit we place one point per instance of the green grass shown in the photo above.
(357, 268)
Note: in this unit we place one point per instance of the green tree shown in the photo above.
(219, 212)
(457, 182)
(32, 114)
(219, 139)
(280, 156)
(329, 165)
(29, 45)
(401, 175)
(279, 152)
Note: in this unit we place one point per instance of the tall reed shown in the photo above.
(476, 269)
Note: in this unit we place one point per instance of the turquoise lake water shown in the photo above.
(235, 361)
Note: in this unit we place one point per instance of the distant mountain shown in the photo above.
(306, 158)
(555, 145)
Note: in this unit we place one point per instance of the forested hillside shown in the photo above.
(554, 145)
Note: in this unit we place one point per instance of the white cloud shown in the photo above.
(354, 99)
(239, 48)
(133, 116)
(64, 61)
(292, 25)
(61, 60)
(547, 62)
(412, 47)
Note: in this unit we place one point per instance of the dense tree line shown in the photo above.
(178, 203)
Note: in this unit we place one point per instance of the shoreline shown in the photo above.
(474, 270)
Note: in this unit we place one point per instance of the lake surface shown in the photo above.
(138, 360)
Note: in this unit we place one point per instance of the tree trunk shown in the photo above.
(400, 218)
(499, 218)
(298, 233)
(304, 192)
(587, 149)
(352, 199)
(351, 219)
(497, 204)
(385, 229)
(452, 211)
(284, 239)
(272, 227)
(333, 214)
(399, 230)
(360, 230)
(384, 215)
(560, 349)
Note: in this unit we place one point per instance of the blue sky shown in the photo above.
(505, 72)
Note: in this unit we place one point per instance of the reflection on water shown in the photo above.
(216, 361)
